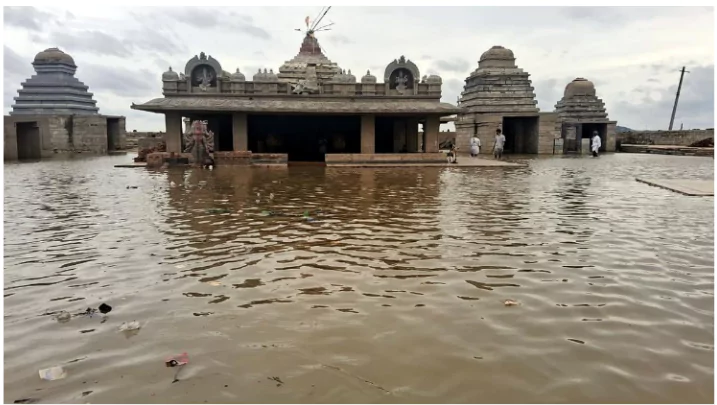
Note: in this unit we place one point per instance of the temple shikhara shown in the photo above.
(309, 110)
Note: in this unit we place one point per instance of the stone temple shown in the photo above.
(499, 94)
(579, 113)
(55, 114)
(310, 111)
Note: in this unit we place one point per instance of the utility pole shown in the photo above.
(677, 97)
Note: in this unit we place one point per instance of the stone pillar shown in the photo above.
(433, 123)
(368, 134)
(173, 137)
(412, 135)
(240, 131)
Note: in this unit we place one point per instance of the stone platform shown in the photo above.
(464, 162)
(703, 188)
(667, 150)
(133, 165)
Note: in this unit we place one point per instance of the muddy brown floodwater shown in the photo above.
(361, 285)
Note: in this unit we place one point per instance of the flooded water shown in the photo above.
(361, 285)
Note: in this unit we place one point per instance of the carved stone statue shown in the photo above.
(202, 56)
(200, 143)
(401, 81)
(308, 85)
(205, 80)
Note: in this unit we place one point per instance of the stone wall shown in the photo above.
(547, 133)
(89, 134)
(64, 134)
(678, 138)
(383, 158)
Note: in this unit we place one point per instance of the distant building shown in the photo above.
(500, 95)
(54, 114)
(580, 112)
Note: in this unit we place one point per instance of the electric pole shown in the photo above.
(677, 97)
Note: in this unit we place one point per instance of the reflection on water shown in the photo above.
(361, 285)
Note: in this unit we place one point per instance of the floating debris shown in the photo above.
(129, 326)
(172, 184)
(63, 317)
(104, 308)
(53, 373)
(129, 187)
(178, 360)
(511, 303)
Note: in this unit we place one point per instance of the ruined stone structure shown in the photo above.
(310, 111)
(499, 94)
(579, 113)
(55, 114)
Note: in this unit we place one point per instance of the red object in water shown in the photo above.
(178, 360)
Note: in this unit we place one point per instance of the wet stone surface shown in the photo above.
(395, 291)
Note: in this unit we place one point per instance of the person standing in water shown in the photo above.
(499, 144)
(475, 146)
(596, 143)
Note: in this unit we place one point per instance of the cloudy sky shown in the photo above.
(632, 55)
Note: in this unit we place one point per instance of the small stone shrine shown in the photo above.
(579, 113)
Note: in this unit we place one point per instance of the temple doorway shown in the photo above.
(304, 138)
(28, 141)
(521, 135)
(398, 135)
(587, 133)
(113, 134)
(221, 125)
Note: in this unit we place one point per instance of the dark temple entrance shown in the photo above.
(305, 138)
(113, 134)
(28, 140)
(573, 135)
(521, 135)
(587, 132)
(221, 125)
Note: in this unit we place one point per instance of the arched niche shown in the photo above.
(401, 67)
(200, 67)
(401, 79)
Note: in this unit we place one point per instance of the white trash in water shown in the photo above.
(53, 373)
(129, 326)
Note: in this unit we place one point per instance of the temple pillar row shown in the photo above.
(368, 134)
(433, 123)
(173, 127)
(240, 132)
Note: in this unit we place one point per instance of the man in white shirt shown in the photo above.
(596, 143)
(499, 144)
(475, 146)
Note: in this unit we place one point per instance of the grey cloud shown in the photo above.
(609, 15)
(695, 109)
(123, 44)
(29, 18)
(455, 65)
(14, 64)
(653, 80)
(451, 90)
(339, 39)
(120, 81)
(90, 41)
(160, 40)
(204, 18)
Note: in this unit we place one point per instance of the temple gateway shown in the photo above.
(310, 110)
